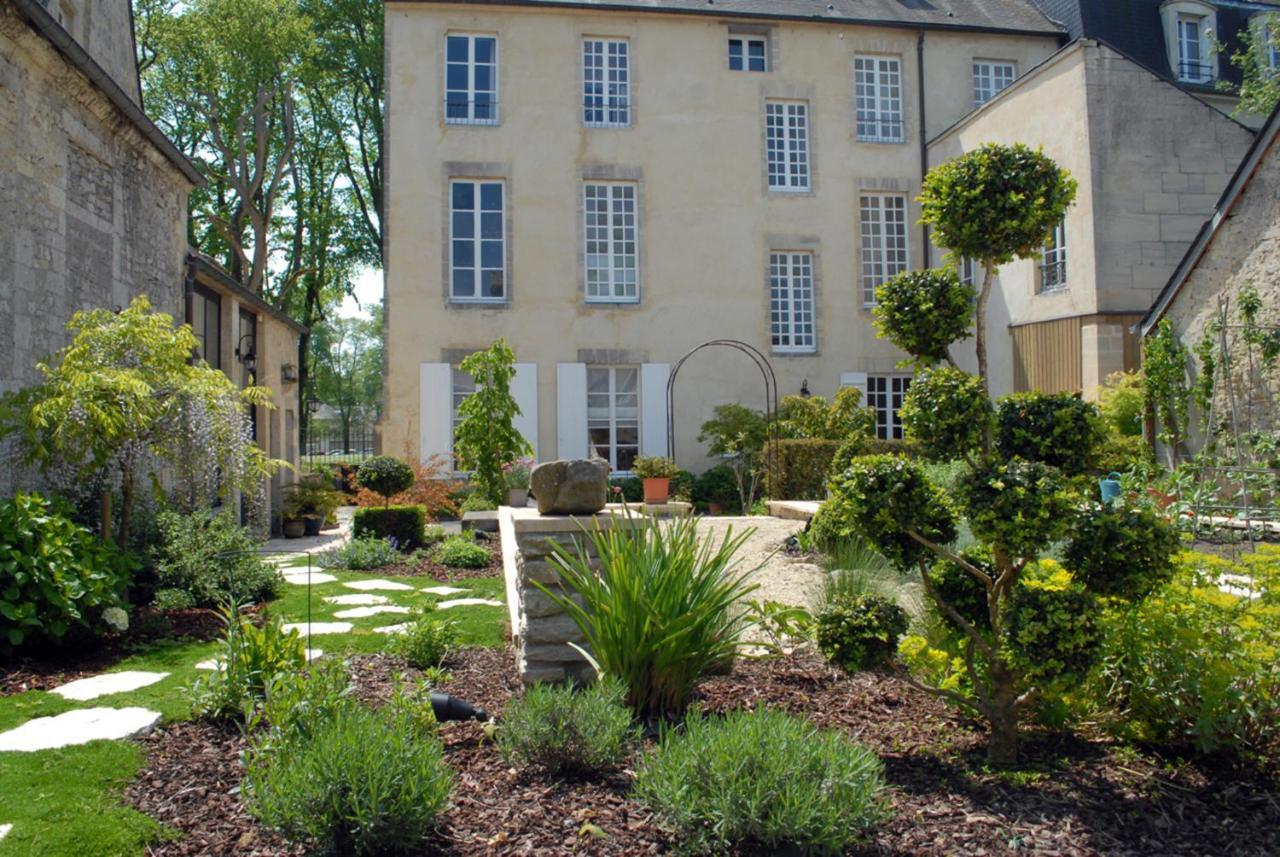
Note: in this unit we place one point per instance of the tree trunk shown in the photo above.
(105, 515)
(1002, 746)
(126, 509)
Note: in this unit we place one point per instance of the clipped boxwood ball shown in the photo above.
(385, 475)
(1121, 551)
(1018, 506)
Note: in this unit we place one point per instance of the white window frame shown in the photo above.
(970, 272)
(792, 308)
(885, 248)
(878, 99)
(990, 77)
(1185, 71)
(611, 422)
(885, 394)
(1053, 262)
(606, 65)
(471, 65)
(477, 240)
(787, 159)
(745, 41)
(608, 282)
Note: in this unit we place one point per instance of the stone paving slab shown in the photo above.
(4, 830)
(365, 612)
(392, 629)
(319, 628)
(78, 727)
(383, 585)
(468, 602)
(356, 600)
(444, 590)
(299, 578)
(85, 689)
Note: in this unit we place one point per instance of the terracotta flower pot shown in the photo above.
(657, 490)
(715, 509)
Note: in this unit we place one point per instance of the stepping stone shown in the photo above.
(319, 628)
(356, 600)
(299, 578)
(213, 663)
(468, 602)
(392, 629)
(4, 830)
(283, 558)
(78, 727)
(365, 612)
(101, 685)
(444, 590)
(385, 585)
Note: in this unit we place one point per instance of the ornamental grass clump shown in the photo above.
(763, 780)
(567, 731)
(662, 610)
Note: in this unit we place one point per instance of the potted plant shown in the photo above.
(311, 501)
(517, 478)
(655, 472)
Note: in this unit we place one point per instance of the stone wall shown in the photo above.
(91, 213)
(540, 630)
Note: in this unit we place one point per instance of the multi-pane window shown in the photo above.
(878, 91)
(884, 396)
(1053, 261)
(1193, 64)
(477, 241)
(989, 78)
(612, 243)
(970, 274)
(748, 53)
(787, 144)
(884, 240)
(791, 302)
(471, 79)
(463, 385)
(613, 414)
(206, 324)
(606, 83)
(1268, 34)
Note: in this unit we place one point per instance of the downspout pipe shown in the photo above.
(924, 140)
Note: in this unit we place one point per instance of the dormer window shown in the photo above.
(1189, 26)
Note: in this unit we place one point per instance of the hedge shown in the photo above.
(799, 468)
(405, 524)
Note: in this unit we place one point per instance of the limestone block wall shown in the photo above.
(91, 213)
(540, 630)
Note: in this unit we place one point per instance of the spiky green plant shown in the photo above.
(662, 610)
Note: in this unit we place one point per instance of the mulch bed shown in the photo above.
(1074, 797)
(80, 659)
(436, 571)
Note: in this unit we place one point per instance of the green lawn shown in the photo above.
(69, 801)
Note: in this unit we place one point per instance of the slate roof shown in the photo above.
(1133, 27)
(1013, 16)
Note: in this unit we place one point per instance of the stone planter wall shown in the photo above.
(541, 631)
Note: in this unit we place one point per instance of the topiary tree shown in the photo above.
(925, 311)
(487, 440)
(385, 475)
(993, 205)
(1022, 627)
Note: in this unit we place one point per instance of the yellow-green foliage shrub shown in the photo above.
(1195, 665)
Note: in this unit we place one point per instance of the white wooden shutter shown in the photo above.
(435, 411)
(855, 379)
(653, 408)
(571, 410)
(524, 389)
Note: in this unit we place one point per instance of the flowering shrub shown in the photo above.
(860, 632)
(56, 575)
(208, 555)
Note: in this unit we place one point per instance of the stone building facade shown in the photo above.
(93, 197)
(1151, 160)
(1238, 246)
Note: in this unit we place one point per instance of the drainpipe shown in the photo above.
(924, 139)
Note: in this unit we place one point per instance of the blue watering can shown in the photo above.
(1110, 487)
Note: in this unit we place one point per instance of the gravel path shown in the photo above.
(783, 578)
